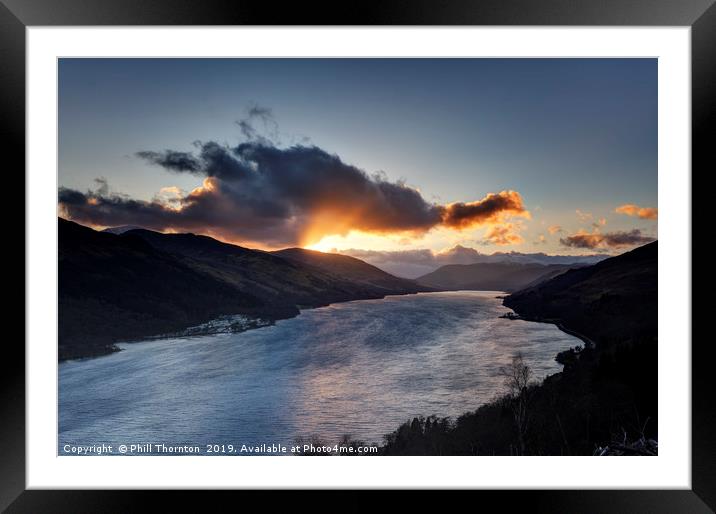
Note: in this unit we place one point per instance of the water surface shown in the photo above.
(360, 368)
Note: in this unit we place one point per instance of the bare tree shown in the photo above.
(517, 379)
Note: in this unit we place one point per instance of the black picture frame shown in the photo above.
(16, 15)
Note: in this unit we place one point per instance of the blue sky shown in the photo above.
(566, 134)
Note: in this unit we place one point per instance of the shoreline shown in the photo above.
(556, 322)
(112, 348)
(475, 305)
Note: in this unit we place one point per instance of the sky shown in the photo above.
(388, 155)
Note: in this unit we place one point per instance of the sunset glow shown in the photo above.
(453, 165)
(412, 256)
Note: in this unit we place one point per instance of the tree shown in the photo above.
(517, 380)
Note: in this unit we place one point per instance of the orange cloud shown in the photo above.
(504, 234)
(645, 213)
(493, 208)
(554, 229)
(171, 190)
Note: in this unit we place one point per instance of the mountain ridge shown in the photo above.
(623, 287)
(351, 267)
(140, 283)
(501, 276)
(416, 263)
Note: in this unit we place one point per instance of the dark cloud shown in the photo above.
(258, 192)
(259, 111)
(268, 133)
(172, 160)
(71, 197)
(102, 186)
(606, 240)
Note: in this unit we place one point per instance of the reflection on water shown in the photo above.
(359, 368)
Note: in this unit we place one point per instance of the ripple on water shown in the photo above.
(359, 368)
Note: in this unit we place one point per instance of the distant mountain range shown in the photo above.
(540, 258)
(417, 263)
(497, 276)
(115, 287)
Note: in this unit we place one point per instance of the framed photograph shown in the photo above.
(455, 241)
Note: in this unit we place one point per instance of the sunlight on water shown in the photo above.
(360, 368)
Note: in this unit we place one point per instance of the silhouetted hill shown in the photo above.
(490, 276)
(558, 270)
(614, 300)
(277, 281)
(606, 395)
(141, 283)
(352, 269)
(115, 287)
(122, 229)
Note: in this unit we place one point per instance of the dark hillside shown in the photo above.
(603, 401)
(497, 276)
(612, 301)
(137, 284)
(119, 287)
(351, 268)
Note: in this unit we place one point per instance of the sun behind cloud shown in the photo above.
(261, 194)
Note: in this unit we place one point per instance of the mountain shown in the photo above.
(613, 307)
(279, 278)
(490, 276)
(350, 268)
(541, 258)
(418, 262)
(556, 270)
(613, 300)
(121, 229)
(604, 401)
(116, 287)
